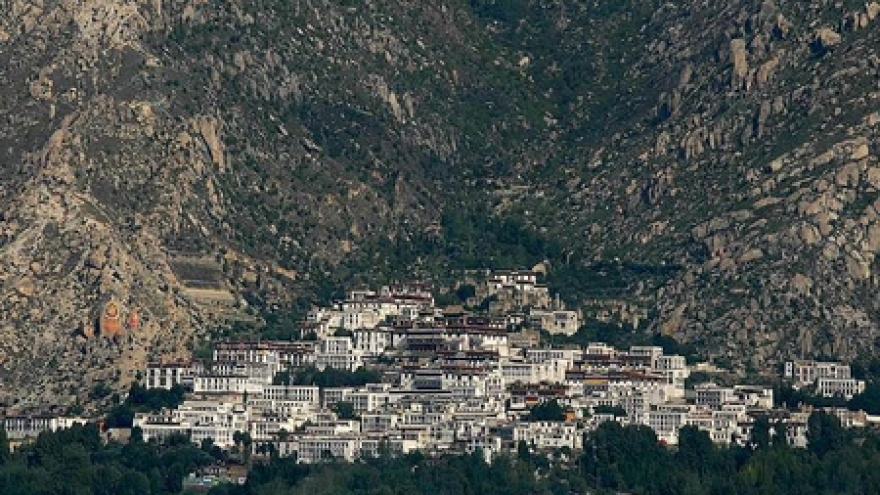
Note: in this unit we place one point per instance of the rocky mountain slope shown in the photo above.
(199, 163)
(757, 173)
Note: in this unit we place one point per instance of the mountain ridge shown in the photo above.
(205, 163)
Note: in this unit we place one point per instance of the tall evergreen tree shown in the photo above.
(4, 446)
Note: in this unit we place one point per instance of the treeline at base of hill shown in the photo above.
(77, 461)
(615, 459)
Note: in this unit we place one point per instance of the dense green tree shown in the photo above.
(345, 410)
(4, 446)
(761, 433)
(121, 416)
(779, 471)
(281, 378)
(77, 461)
(695, 451)
(625, 458)
(549, 410)
(154, 399)
(615, 410)
(615, 459)
(786, 396)
(523, 451)
(868, 401)
(331, 377)
(207, 446)
(243, 444)
(825, 433)
(142, 399)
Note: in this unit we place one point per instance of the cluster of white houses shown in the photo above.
(830, 379)
(452, 381)
(448, 381)
(453, 400)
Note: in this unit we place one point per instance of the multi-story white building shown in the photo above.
(632, 391)
(367, 400)
(721, 426)
(839, 387)
(558, 322)
(675, 369)
(367, 309)
(514, 289)
(599, 349)
(666, 422)
(379, 422)
(266, 427)
(223, 384)
(324, 321)
(651, 353)
(354, 319)
(200, 419)
(23, 427)
(275, 354)
(294, 410)
(549, 435)
(296, 393)
(754, 396)
(338, 353)
(314, 449)
(256, 372)
(310, 449)
(544, 355)
(804, 373)
(713, 396)
(372, 341)
(333, 395)
(637, 400)
(476, 339)
(530, 372)
(167, 375)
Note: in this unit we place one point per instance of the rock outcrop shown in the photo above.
(203, 163)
